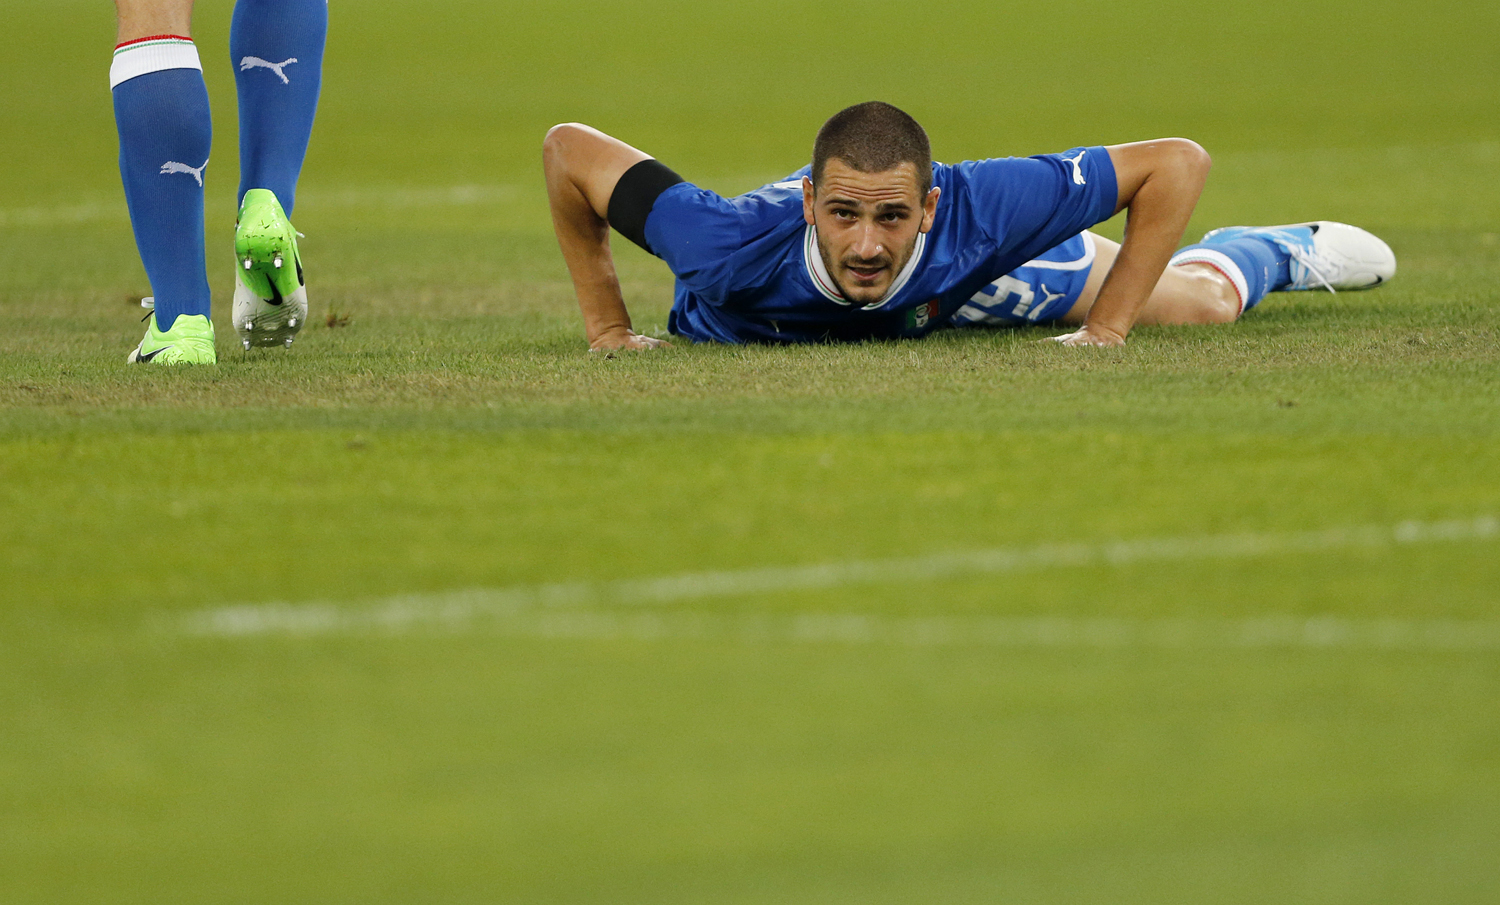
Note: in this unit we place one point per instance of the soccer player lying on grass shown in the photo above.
(875, 241)
(162, 113)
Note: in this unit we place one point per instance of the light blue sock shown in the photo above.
(162, 115)
(1254, 264)
(277, 50)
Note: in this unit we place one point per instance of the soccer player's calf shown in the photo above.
(162, 115)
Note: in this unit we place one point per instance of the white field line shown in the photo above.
(362, 196)
(613, 609)
(392, 196)
(63, 214)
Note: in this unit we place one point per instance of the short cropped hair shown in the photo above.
(873, 137)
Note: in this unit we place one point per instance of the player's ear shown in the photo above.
(929, 208)
(807, 200)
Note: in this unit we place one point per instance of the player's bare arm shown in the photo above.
(582, 166)
(1159, 185)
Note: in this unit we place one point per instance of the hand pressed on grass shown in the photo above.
(625, 338)
(1088, 335)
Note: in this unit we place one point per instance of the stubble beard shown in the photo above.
(893, 267)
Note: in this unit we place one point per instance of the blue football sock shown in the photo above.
(1254, 264)
(162, 115)
(277, 50)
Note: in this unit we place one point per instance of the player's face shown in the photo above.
(867, 224)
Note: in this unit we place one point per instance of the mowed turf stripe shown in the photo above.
(611, 609)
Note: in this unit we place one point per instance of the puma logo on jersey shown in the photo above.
(1077, 170)
(258, 63)
(1030, 307)
(173, 166)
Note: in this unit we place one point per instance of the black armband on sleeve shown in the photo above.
(633, 196)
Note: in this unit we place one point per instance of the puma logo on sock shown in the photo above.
(258, 63)
(173, 166)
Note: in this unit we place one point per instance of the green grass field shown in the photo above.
(438, 608)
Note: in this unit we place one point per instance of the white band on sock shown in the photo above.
(154, 54)
(1218, 261)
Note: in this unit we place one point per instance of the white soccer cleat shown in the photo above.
(263, 322)
(1325, 254)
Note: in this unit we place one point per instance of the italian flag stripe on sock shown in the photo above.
(1197, 254)
(152, 54)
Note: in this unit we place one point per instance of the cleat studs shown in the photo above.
(247, 263)
(246, 344)
(249, 326)
(292, 322)
(276, 262)
(288, 342)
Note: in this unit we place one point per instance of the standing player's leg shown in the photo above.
(162, 115)
(276, 47)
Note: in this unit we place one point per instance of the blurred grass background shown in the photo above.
(453, 434)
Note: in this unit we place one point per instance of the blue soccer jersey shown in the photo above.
(748, 268)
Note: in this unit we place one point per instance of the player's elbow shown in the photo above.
(1187, 158)
(557, 142)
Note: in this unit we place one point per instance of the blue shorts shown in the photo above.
(1038, 291)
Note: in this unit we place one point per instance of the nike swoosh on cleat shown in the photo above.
(143, 359)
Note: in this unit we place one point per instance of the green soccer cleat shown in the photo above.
(190, 341)
(270, 298)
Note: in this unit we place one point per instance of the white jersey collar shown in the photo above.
(818, 273)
